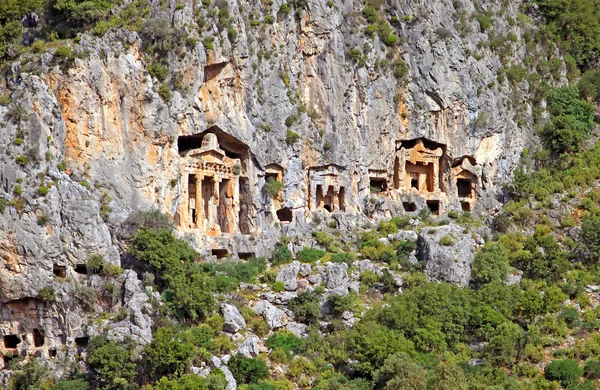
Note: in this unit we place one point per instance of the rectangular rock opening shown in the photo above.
(434, 206)
(211, 71)
(285, 215)
(81, 269)
(245, 255)
(341, 201)
(52, 353)
(464, 188)
(466, 206)
(409, 206)
(225, 206)
(38, 338)
(192, 188)
(421, 176)
(208, 193)
(60, 271)
(377, 184)
(11, 341)
(82, 341)
(245, 202)
(219, 253)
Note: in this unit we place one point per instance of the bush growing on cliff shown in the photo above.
(184, 284)
(571, 120)
(247, 370)
(168, 354)
(272, 187)
(112, 363)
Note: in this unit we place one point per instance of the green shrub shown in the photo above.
(369, 278)
(591, 369)
(341, 303)
(95, 263)
(387, 228)
(566, 371)
(484, 21)
(490, 264)
(47, 294)
(272, 187)
(247, 370)
(285, 340)
(447, 241)
(158, 70)
(168, 354)
(281, 255)
(291, 137)
(306, 308)
(571, 120)
(112, 364)
(309, 255)
(42, 191)
(571, 317)
(185, 285)
(22, 160)
(278, 287)
(165, 92)
(343, 257)
(322, 238)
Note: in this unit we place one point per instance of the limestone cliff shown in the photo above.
(92, 138)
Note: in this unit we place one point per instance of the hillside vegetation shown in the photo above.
(528, 320)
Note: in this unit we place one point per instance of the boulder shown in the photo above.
(298, 329)
(447, 252)
(249, 347)
(233, 319)
(337, 275)
(274, 317)
(288, 274)
(231, 383)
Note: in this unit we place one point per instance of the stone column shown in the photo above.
(215, 203)
(436, 176)
(335, 201)
(199, 203)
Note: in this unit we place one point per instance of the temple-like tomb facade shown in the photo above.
(214, 188)
(326, 188)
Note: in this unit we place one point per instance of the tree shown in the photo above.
(571, 120)
(576, 23)
(372, 343)
(168, 354)
(399, 372)
(247, 370)
(506, 345)
(29, 377)
(491, 264)
(590, 236)
(447, 375)
(566, 371)
(306, 307)
(185, 285)
(112, 363)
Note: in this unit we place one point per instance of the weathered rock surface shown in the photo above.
(288, 274)
(448, 253)
(234, 321)
(274, 317)
(249, 347)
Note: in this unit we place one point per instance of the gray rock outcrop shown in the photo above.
(275, 318)
(288, 274)
(234, 321)
(250, 347)
(447, 252)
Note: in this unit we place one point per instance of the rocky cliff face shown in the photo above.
(310, 100)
